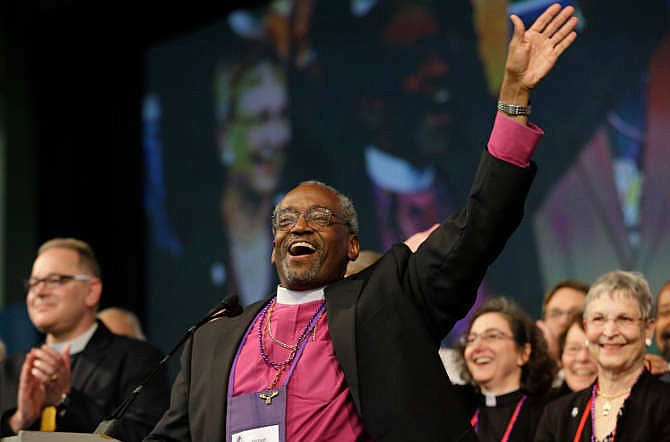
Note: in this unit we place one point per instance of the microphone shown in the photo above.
(229, 307)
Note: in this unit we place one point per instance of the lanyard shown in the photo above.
(582, 421)
(475, 419)
(591, 408)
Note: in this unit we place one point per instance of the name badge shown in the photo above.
(260, 434)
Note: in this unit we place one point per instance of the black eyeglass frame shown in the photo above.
(54, 280)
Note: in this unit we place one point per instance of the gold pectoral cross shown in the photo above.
(268, 396)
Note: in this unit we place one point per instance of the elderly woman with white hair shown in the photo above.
(626, 402)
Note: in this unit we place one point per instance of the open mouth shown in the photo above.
(483, 360)
(301, 248)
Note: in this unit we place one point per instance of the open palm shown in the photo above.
(533, 52)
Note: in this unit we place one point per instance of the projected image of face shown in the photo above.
(252, 133)
(407, 113)
(253, 126)
(415, 116)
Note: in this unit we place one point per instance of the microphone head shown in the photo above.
(230, 300)
(230, 306)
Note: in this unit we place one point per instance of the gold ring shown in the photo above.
(53, 377)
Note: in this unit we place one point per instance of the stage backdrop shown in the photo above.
(392, 103)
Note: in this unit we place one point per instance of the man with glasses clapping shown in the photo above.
(82, 372)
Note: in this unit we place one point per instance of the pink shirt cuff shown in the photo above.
(513, 142)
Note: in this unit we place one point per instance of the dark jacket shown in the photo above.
(493, 420)
(103, 376)
(645, 415)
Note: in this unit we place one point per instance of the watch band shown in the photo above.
(513, 109)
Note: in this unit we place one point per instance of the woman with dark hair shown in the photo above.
(504, 359)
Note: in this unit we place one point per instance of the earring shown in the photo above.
(648, 342)
(586, 343)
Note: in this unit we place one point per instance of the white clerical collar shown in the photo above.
(490, 399)
(77, 344)
(293, 297)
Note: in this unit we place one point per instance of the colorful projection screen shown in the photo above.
(392, 103)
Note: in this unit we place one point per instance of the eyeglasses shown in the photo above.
(317, 218)
(487, 336)
(573, 350)
(54, 280)
(622, 321)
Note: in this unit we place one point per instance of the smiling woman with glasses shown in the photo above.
(578, 368)
(503, 357)
(626, 402)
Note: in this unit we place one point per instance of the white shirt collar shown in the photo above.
(490, 399)
(293, 297)
(77, 344)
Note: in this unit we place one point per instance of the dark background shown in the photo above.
(73, 75)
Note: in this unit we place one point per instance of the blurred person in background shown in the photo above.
(122, 322)
(579, 370)
(663, 323)
(559, 304)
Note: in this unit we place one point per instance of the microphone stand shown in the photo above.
(229, 307)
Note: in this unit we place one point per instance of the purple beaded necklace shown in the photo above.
(294, 349)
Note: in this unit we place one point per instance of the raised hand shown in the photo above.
(533, 52)
(655, 364)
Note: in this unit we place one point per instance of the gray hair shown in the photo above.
(346, 205)
(631, 284)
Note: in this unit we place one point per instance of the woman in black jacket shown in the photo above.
(505, 359)
(626, 402)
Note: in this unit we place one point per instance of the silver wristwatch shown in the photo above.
(513, 109)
